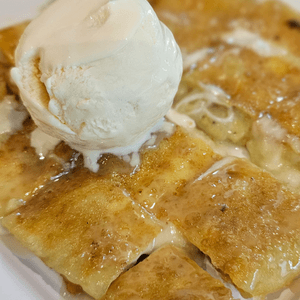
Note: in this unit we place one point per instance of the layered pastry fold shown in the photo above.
(92, 227)
(241, 79)
(23, 173)
(86, 230)
(244, 221)
(168, 273)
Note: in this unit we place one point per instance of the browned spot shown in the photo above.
(72, 288)
(293, 24)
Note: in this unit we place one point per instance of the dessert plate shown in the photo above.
(16, 11)
(22, 275)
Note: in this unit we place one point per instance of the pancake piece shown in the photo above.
(86, 229)
(244, 220)
(3, 87)
(242, 64)
(166, 169)
(85, 223)
(22, 172)
(167, 274)
(9, 39)
(252, 84)
(198, 24)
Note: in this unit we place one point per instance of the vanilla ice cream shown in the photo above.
(98, 74)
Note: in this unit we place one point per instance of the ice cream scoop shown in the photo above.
(98, 74)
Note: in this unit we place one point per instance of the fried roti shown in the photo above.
(3, 86)
(93, 227)
(234, 213)
(9, 39)
(198, 24)
(164, 170)
(167, 274)
(244, 220)
(86, 229)
(22, 172)
(242, 63)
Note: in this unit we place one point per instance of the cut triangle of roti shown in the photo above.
(244, 220)
(167, 274)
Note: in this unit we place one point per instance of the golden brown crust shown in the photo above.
(63, 221)
(241, 217)
(9, 39)
(87, 230)
(254, 83)
(244, 220)
(73, 289)
(177, 160)
(167, 274)
(199, 23)
(22, 172)
(258, 69)
(3, 86)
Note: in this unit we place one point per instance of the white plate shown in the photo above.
(15, 11)
(22, 276)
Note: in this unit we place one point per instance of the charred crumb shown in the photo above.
(276, 37)
(224, 207)
(293, 24)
